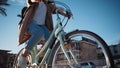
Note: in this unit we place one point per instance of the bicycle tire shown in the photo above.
(15, 63)
(104, 47)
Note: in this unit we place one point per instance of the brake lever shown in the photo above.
(69, 13)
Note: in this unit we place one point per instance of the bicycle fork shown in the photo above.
(60, 37)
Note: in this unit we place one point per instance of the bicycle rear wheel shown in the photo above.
(86, 46)
(15, 62)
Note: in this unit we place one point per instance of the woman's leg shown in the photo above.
(36, 33)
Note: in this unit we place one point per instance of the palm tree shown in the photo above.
(2, 10)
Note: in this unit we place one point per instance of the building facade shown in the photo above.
(84, 51)
(87, 50)
(115, 50)
(6, 59)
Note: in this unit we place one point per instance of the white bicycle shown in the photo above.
(63, 48)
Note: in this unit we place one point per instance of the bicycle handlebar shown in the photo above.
(67, 8)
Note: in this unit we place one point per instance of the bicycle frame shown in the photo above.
(60, 36)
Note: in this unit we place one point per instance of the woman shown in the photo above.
(37, 22)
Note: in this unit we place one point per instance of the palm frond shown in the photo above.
(4, 4)
(2, 11)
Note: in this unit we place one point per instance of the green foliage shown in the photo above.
(3, 10)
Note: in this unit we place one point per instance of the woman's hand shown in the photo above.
(68, 14)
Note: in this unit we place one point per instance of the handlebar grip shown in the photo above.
(69, 14)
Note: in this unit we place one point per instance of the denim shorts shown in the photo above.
(37, 32)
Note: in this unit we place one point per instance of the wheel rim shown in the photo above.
(100, 43)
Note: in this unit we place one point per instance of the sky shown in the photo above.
(99, 16)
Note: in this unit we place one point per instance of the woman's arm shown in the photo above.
(64, 13)
(59, 10)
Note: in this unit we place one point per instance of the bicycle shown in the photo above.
(47, 57)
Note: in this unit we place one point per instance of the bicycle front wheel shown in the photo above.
(87, 47)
